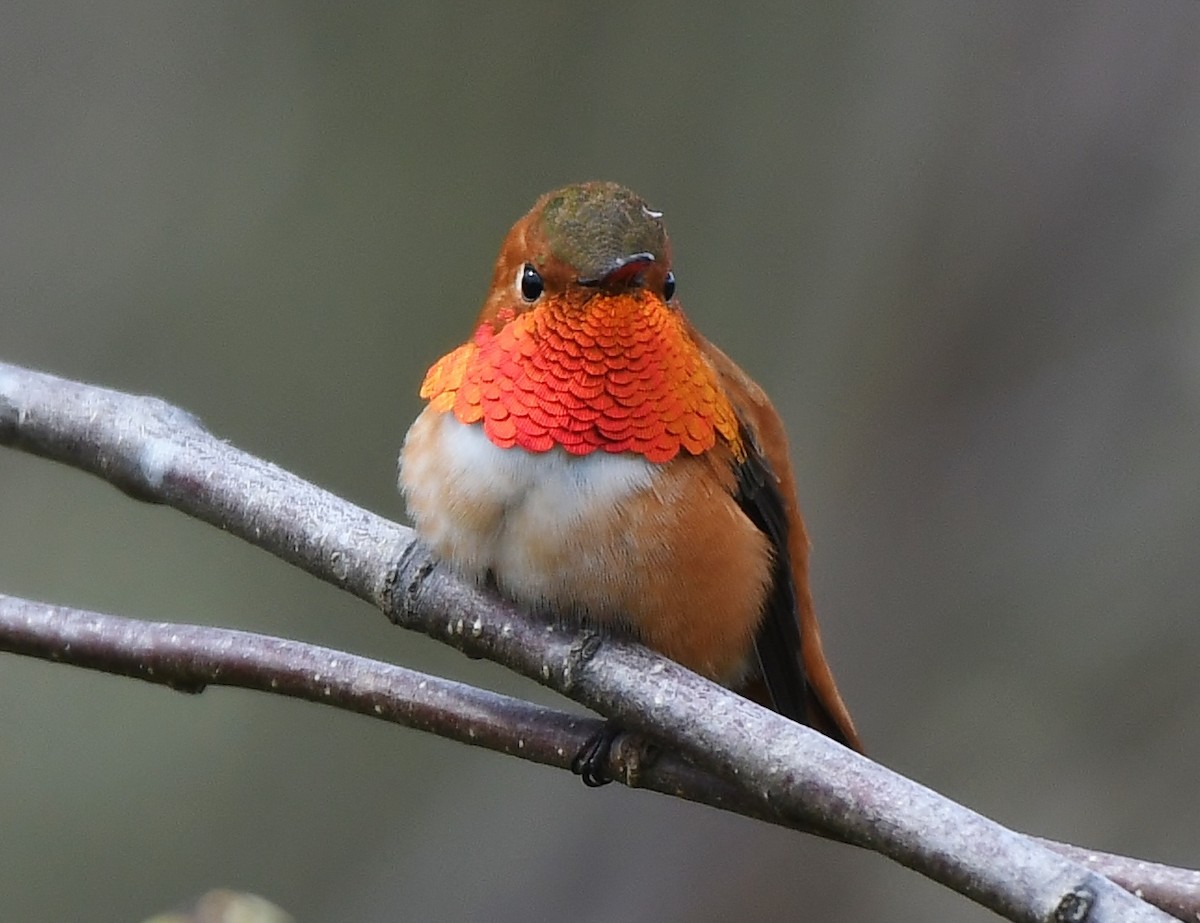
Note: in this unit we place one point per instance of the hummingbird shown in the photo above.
(593, 458)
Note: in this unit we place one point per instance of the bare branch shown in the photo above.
(189, 658)
(1175, 890)
(157, 453)
(160, 454)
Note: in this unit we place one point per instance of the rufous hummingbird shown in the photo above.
(592, 457)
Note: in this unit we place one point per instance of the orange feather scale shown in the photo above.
(619, 373)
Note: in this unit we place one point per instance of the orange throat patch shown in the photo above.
(617, 372)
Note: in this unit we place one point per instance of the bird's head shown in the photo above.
(576, 244)
(581, 343)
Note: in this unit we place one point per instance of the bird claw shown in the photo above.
(594, 760)
(591, 762)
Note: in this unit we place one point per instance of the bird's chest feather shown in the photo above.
(662, 550)
(545, 525)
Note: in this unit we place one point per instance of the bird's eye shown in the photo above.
(529, 281)
(669, 286)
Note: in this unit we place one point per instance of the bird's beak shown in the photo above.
(621, 271)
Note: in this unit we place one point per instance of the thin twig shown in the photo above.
(189, 658)
(1174, 890)
(155, 452)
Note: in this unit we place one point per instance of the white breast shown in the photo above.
(543, 524)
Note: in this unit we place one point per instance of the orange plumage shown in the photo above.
(595, 458)
(620, 375)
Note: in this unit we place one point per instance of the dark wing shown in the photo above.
(777, 643)
(795, 676)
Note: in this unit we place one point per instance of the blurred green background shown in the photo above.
(958, 242)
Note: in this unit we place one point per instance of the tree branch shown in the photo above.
(1175, 890)
(781, 770)
(189, 658)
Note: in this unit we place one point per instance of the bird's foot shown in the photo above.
(591, 762)
(594, 762)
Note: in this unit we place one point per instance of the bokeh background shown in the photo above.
(958, 242)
